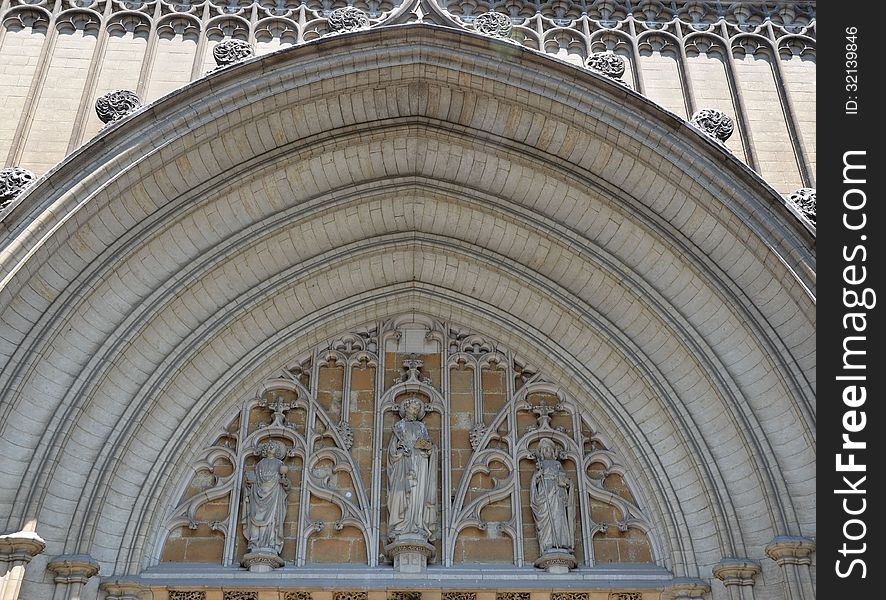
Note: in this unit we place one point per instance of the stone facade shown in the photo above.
(757, 64)
(410, 201)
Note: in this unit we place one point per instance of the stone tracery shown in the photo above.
(492, 418)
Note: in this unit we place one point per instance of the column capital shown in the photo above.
(23, 546)
(123, 588)
(73, 568)
(791, 550)
(685, 588)
(737, 571)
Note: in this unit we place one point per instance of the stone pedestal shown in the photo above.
(409, 555)
(739, 576)
(556, 561)
(684, 588)
(794, 555)
(16, 551)
(260, 562)
(72, 572)
(123, 588)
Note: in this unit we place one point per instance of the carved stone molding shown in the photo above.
(300, 595)
(626, 596)
(123, 588)
(570, 596)
(804, 201)
(494, 24)
(404, 596)
(791, 550)
(609, 63)
(348, 18)
(239, 595)
(115, 105)
(228, 52)
(686, 589)
(512, 596)
(258, 562)
(187, 595)
(737, 571)
(459, 595)
(715, 123)
(409, 556)
(350, 596)
(73, 568)
(13, 180)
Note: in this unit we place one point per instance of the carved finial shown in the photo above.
(412, 368)
(715, 123)
(804, 200)
(115, 105)
(279, 407)
(543, 414)
(228, 52)
(494, 24)
(347, 18)
(13, 180)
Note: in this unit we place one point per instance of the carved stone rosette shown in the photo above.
(12, 181)
(348, 18)
(609, 63)
(228, 52)
(115, 105)
(715, 123)
(804, 200)
(494, 24)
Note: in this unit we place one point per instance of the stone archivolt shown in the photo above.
(335, 506)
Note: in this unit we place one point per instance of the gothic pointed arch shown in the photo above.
(227, 266)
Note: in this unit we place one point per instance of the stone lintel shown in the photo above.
(22, 546)
(737, 571)
(73, 568)
(791, 550)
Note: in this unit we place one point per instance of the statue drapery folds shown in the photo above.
(265, 508)
(552, 498)
(412, 476)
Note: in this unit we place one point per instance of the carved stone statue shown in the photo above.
(552, 498)
(265, 508)
(412, 489)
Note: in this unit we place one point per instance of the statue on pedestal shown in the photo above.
(552, 499)
(412, 489)
(265, 508)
